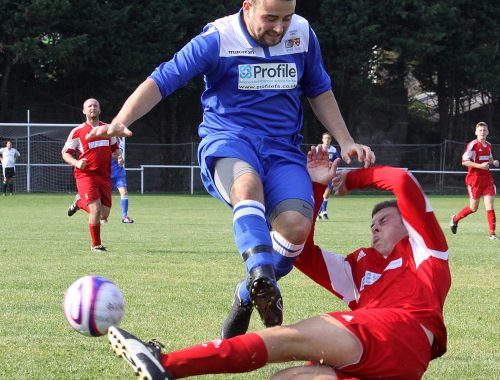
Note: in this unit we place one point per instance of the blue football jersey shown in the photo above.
(116, 170)
(333, 153)
(249, 88)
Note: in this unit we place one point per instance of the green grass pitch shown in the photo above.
(177, 266)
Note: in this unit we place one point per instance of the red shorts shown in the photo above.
(95, 187)
(480, 189)
(394, 345)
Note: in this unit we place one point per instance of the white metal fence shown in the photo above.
(174, 167)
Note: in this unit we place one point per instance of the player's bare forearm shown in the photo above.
(474, 165)
(117, 156)
(142, 100)
(69, 159)
(117, 153)
(327, 111)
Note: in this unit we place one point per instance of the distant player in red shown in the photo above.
(478, 157)
(92, 170)
(395, 289)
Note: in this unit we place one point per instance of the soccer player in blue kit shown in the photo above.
(119, 182)
(257, 64)
(326, 142)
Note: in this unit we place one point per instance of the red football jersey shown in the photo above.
(478, 153)
(96, 151)
(415, 276)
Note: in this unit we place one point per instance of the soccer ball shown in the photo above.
(92, 304)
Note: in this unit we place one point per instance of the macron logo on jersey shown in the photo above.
(267, 76)
(241, 52)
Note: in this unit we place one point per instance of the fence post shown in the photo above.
(441, 166)
(28, 152)
(192, 180)
(142, 180)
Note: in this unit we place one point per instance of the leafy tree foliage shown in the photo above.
(56, 53)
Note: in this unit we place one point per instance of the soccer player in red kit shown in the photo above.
(92, 170)
(478, 158)
(395, 289)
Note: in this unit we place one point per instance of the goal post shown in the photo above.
(40, 167)
(173, 168)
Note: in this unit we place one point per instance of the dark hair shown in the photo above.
(384, 204)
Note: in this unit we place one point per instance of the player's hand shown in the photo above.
(319, 166)
(81, 164)
(114, 129)
(339, 187)
(484, 165)
(496, 163)
(362, 152)
(120, 160)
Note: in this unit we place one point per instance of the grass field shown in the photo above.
(177, 267)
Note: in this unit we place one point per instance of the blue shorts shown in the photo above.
(280, 164)
(117, 182)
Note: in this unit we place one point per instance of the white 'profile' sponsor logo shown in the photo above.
(267, 76)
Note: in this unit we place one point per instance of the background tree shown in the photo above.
(462, 64)
(56, 53)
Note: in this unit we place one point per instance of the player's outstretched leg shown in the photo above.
(254, 243)
(73, 207)
(143, 357)
(237, 321)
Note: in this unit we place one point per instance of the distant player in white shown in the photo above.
(8, 156)
(257, 64)
(326, 142)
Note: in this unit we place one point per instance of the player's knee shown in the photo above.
(293, 226)
(292, 219)
(247, 186)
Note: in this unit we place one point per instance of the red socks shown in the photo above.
(490, 213)
(492, 221)
(242, 353)
(463, 213)
(95, 234)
